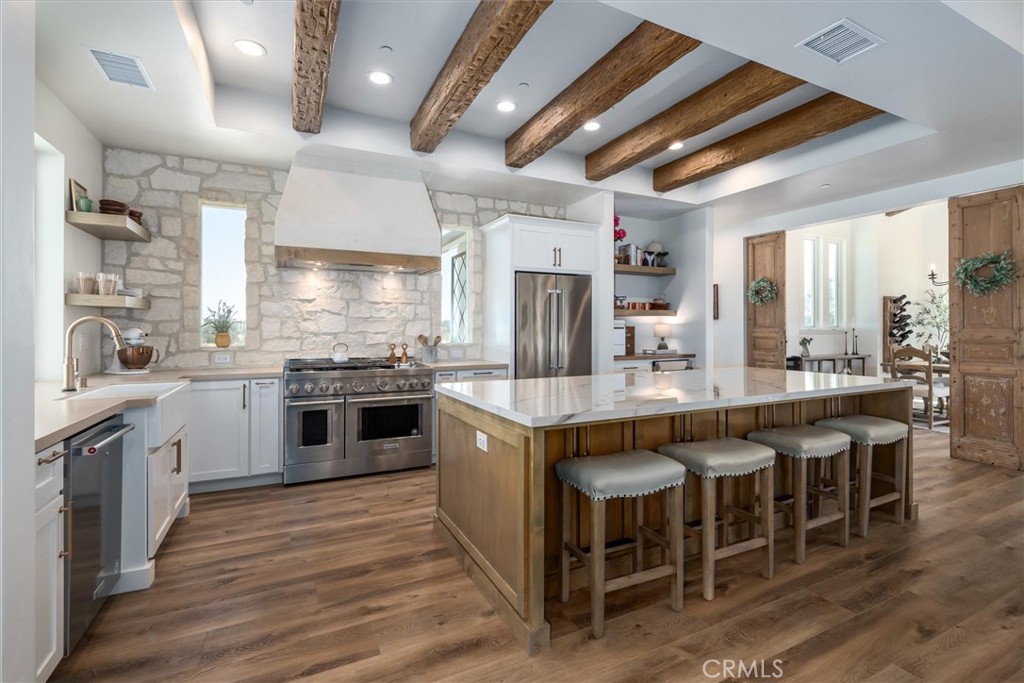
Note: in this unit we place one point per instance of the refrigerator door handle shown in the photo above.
(550, 305)
(563, 332)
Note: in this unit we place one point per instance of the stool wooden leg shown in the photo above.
(841, 463)
(900, 478)
(638, 519)
(800, 509)
(768, 521)
(815, 477)
(674, 503)
(864, 454)
(597, 518)
(722, 499)
(563, 595)
(707, 535)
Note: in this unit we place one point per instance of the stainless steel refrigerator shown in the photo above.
(552, 326)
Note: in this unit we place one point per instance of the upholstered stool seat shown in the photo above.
(629, 474)
(728, 457)
(868, 431)
(803, 442)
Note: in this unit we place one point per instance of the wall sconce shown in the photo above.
(662, 330)
(934, 277)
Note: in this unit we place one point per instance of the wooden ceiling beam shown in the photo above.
(739, 91)
(316, 28)
(819, 117)
(638, 58)
(494, 30)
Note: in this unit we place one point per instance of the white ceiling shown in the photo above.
(961, 85)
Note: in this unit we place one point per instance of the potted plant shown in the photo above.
(221, 321)
(805, 343)
(660, 256)
(932, 319)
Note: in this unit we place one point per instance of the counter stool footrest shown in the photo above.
(885, 498)
(655, 537)
(638, 577)
(822, 520)
(741, 547)
(883, 477)
(824, 493)
(745, 515)
(578, 553)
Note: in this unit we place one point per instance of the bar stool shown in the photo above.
(802, 442)
(728, 457)
(868, 431)
(630, 474)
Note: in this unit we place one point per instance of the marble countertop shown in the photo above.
(554, 401)
(197, 374)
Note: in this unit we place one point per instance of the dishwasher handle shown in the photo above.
(119, 434)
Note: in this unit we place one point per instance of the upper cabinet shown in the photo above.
(545, 244)
(108, 226)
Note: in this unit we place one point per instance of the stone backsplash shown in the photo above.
(290, 312)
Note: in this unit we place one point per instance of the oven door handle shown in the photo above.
(302, 404)
(391, 397)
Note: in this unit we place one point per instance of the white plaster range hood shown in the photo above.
(350, 215)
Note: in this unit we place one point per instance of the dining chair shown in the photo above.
(915, 364)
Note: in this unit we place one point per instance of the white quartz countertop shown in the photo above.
(555, 401)
(196, 374)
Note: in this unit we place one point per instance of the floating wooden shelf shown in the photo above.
(628, 313)
(108, 226)
(106, 301)
(626, 269)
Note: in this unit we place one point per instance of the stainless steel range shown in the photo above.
(365, 415)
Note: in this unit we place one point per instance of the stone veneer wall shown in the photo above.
(290, 312)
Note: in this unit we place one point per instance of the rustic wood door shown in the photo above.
(987, 338)
(766, 324)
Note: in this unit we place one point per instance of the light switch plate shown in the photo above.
(222, 358)
(481, 441)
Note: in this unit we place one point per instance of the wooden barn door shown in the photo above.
(766, 324)
(987, 338)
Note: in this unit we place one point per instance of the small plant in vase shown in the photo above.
(221, 321)
(660, 259)
(619, 234)
(805, 343)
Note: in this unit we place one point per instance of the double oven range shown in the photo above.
(362, 416)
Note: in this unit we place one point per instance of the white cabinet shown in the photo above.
(167, 479)
(554, 249)
(235, 429)
(49, 562)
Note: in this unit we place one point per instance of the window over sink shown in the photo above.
(222, 267)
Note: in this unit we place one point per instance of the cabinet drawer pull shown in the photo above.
(52, 458)
(265, 384)
(177, 457)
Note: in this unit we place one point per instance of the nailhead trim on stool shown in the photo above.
(631, 474)
(868, 431)
(729, 457)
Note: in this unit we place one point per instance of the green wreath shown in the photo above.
(1004, 270)
(762, 291)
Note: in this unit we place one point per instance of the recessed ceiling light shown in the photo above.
(506, 106)
(250, 47)
(676, 145)
(591, 125)
(380, 77)
(825, 186)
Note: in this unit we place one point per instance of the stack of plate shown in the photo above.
(115, 207)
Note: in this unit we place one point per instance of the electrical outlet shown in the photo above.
(481, 441)
(223, 358)
(458, 354)
(83, 343)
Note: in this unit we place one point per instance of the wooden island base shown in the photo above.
(498, 510)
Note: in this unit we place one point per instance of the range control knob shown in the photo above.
(414, 384)
(324, 387)
(338, 387)
(425, 382)
(383, 384)
(400, 384)
(357, 385)
(293, 389)
(309, 388)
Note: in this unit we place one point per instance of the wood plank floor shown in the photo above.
(345, 581)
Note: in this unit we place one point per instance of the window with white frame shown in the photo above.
(455, 322)
(824, 289)
(222, 269)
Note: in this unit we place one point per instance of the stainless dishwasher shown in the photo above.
(92, 500)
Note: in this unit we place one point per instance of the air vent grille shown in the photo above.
(841, 42)
(122, 68)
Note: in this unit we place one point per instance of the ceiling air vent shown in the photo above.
(841, 41)
(122, 68)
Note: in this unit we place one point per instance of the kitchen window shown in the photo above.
(823, 284)
(455, 287)
(222, 267)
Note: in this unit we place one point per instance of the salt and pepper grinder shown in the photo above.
(405, 354)
(392, 358)
(855, 341)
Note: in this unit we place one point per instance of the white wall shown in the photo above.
(83, 161)
(17, 158)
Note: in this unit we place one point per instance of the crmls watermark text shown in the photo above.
(732, 668)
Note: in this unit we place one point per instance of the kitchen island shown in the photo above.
(497, 494)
